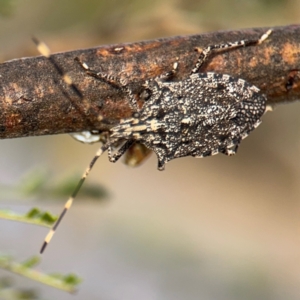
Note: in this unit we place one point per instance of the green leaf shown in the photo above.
(71, 278)
(38, 183)
(66, 187)
(67, 282)
(31, 262)
(34, 216)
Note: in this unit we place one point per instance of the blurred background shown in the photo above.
(216, 228)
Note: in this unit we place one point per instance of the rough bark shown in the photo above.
(34, 100)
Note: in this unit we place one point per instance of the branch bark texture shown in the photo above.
(34, 100)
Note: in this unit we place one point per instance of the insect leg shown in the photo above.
(204, 54)
(115, 81)
(115, 157)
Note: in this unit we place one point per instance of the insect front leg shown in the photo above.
(112, 80)
(114, 157)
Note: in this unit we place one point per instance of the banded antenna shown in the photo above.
(45, 51)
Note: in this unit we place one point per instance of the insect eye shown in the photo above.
(136, 115)
(145, 94)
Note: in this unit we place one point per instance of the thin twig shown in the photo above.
(66, 283)
(34, 217)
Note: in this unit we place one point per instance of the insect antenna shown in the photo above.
(45, 51)
(68, 204)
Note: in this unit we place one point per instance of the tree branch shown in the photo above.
(32, 94)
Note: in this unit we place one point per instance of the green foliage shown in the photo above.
(6, 8)
(70, 279)
(68, 282)
(34, 216)
(8, 291)
(43, 217)
(67, 186)
(38, 183)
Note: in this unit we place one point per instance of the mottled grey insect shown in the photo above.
(202, 115)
